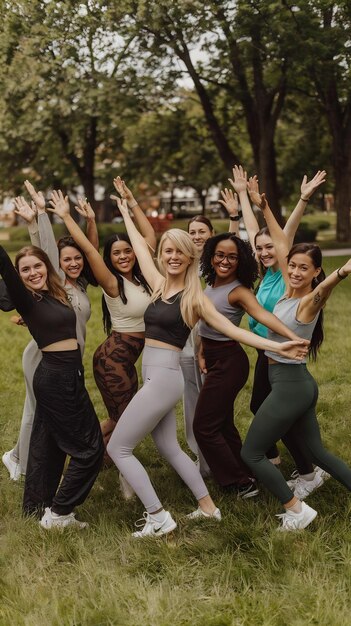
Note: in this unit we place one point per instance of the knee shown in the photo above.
(246, 455)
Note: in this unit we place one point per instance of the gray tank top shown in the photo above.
(219, 297)
(285, 310)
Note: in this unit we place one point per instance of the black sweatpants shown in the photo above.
(214, 429)
(65, 423)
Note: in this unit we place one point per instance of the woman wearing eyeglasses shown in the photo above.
(230, 270)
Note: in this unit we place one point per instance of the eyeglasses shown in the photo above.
(231, 258)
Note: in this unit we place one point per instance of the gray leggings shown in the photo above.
(30, 361)
(152, 411)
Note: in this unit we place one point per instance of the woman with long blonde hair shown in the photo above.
(177, 303)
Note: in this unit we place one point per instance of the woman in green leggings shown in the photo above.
(292, 401)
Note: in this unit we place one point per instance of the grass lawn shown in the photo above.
(237, 573)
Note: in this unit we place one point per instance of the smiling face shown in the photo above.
(122, 257)
(225, 261)
(301, 272)
(265, 251)
(71, 262)
(199, 234)
(174, 261)
(33, 272)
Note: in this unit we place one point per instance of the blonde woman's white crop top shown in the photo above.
(129, 317)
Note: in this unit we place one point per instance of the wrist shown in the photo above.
(304, 199)
(132, 203)
(340, 273)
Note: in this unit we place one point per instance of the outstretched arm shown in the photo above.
(140, 247)
(239, 182)
(29, 214)
(307, 190)
(278, 236)
(141, 220)
(47, 241)
(290, 349)
(104, 277)
(313, 302)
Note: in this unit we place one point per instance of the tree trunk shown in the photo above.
(343, 201)
(267, 175)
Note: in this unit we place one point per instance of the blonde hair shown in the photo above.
(192, 299)
(53, 281)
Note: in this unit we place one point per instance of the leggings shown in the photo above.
(152, 411)
(115, 373)
(65, 423)
(218, 438)
(30, 361)
(260, 391)
(290, 405)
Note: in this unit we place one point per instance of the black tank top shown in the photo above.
(163, 322)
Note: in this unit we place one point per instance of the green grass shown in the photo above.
(237, 573)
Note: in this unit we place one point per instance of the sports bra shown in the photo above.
(164, 322)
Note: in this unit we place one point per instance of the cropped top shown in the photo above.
(219, 297)
(271, 289)
(129, 317)
(48, 320)
(163, 322)
(286, 310)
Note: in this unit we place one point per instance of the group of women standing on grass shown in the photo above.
(156, 307)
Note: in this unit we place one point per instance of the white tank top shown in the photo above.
(129, 317)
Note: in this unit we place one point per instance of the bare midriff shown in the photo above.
(62, 346)
(154, 343)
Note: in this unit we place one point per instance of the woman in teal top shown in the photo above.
(270, 290)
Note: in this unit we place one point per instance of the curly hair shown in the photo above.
(247, 271)
(315, 254)
(136, 274)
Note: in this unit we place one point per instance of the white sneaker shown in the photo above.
(200, 514)
(321, 472)
(152, 528)
(127, 490)
(12, 466)
(303, 488)
(297, 521)
(53, 520)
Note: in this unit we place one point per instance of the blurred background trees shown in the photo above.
(173, 94)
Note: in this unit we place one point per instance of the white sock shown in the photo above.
(158, 517)
(295, 508)
(308, 477)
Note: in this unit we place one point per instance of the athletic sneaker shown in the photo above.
(12, 466)
(53, 520)
(322, 473)
(297, 521)
(152, 528)
(303, 488)
(248, 491)
(127, 490)
(200, 514)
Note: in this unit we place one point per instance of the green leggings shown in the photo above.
(290, 405)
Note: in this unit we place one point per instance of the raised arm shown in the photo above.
(279, 238)
(141, 220)
(313, 302)
(47, 241)
(85, 209)
(239, 182)
(231, 205)
(28, 213)
(290, 349)
(140, 247)
(104, 277)
(307, 190)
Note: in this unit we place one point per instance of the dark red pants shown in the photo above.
(215, 432)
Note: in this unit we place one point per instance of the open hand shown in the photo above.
(309, 187)
(59, 203)
(23, 209)
(230, 201)
(122, 189)
(240, 179)
(257, 198)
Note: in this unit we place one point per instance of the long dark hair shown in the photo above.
(136, 273)
(246, 269)
(86, 273)
(315, 254)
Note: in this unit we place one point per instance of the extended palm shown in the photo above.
(59, 203)
(37, 197)
(23, 209)
(309, 187)
(230, 201)
(84, 209)
(240, 179)
(122, 189)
